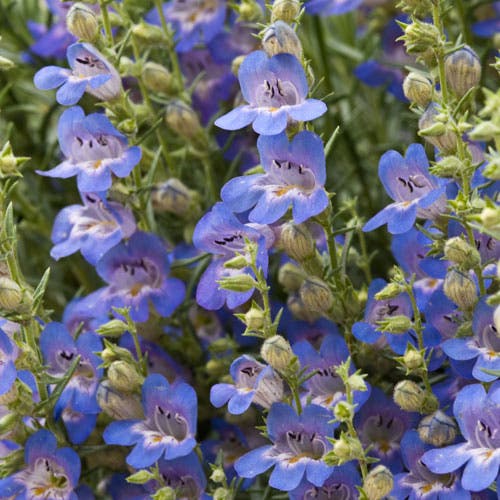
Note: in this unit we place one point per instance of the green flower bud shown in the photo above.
(316, 295)
(419, 37)
(276, 351)
(290, 277)
(418, 89)
(285, 10)
(175, 197)
(449, 166)
(159, 79)
(249, 11)
(222, 494)
(6, 64)
(238, 283)
(218, 475)
(254, 318)
(114, 328)
(490, 217)
(345, 449)
(413, 359)
(140, 477)
(409, 396)
(462, 70)
(437, 429)
(300, 311)
(215, 367)
(460, 289)
(395, 324)
(297, 241)
(343, 411)
(378, 483)
(238, 262)
(434, 130)
(118, 405)
(182, 119)
(148, 34)
(485, 131)
(280, 38)
(128, 126)
(165, 493)
(10, 294)
(9, 162)
(82, 22)
(357, 382)
(390, 291)
(124, 377)
(460, 252)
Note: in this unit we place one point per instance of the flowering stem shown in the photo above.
(436, 17)
(106, 22)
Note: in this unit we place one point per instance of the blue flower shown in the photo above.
(49, 472)
(420, 482)
(168, 428)
(94, 150)
(194, 21)
(90, 72)
(254, 382)
(93, 228)
(489, 27)
(331, 7)
(8, 356)
(294, 176)
(478, 416)
(275, 89)
(325, 387)
(137, 273)
(219, 232)
(81, 315)
(299, 445)
(483, 345)
(415, 192)
(375, 74)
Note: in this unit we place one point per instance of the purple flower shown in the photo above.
(294, 176)
(8, 356)
(376, 74)
(194, 21)
(326, 388)
(299, 445)
(219, 232)
(94, 150)
(488, 27)
(483, 345)
(340, 484)
(420, 482)
(168, 428)
(93, 228)
(478, 416)
(49, 472)
(381, 425)
(137, 273)
(414, 191)
(81, 315)
(90, 72)
(254, 382)
(275, 89)
(331, 7)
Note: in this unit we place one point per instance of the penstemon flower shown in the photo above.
(275, 89)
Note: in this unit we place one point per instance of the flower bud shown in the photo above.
(460, 252)
(390, 291)
(409, 396)
(413, 359)
(174, 197)
(6, 64)
(182, 119)
(10, 294)
(345, 449)
(218, 475)
(280, 38)
(395, 324)
(449, 166)
(378, 483)
(460, 289)
(285, 10)
(158, 78)
(118, 405)
(343, 411)
(290, 277)
(462, 70)
(435, 131)
(215, 367)
(82, 22)
(485, 131)
(297, 241)
(276, 352)
(222, 494)
(249, 11)
(419, 37)
(300, 311)
(316, 295)
(419, 8)
(113, 328)
(149, 34)
(237, 283)
(437, 429)
(124, 377)
(254, 318)
(113, 352)
(357, 382)
(417, 89)
(490, 217)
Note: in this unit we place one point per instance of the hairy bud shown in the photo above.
(285, 10)
(437, 429)
(316, 295)
(409, 396)
(10, 294)
(158, 78)
(175, 197)
(280, 38)
(276, 351)
(82, 22)
(462, 253)
(435, 131)
(378, 483)
(297, 241)
(460, 289)
(462, 70)
(418, 89)
(124, 377)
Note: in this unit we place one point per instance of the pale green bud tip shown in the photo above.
(460, 289)
(10, 294)
(316, 295)
(419, 37)
(250, 11)
(490, 217)
(297, 241)
(140, 477)
(254, 318)
(158, 78)
(82, 22)
(413, 359)
(218, 475)
(435, 131)
(378, 483)
(113, 328)
(437, 429)
(276, 351)
(357, 382)
(222, 494)
(148, 33)
(238, 283)
(459, 251)
(463, 70)
(280, 38)
(395, 324)
(390, 291)
(124, 377)
(418, 89)
(285, 10)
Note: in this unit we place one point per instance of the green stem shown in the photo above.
(436, 16)
(106, 22)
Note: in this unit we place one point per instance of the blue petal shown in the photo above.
(281, 418)
(481, 471)
(119, 432)
(237, 118)
(254, 462)
(50, 77)
(286, 475)
(308, 110)
(458, 349)
(270, 122)
(448, 459)
(240, 402)
(144, 455)
(70, 92)
(220, 394)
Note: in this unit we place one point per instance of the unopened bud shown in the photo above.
(6, 64)
(249, 11)
(182, 119)
(343, 411)
(435, 131)
(254, 318)
(345, 449)
(419, 8)
(357, 382)
(409, 396)
(316, 295)
(462, 253)
(390, 291)
(276, 351)
(485, 131)
(419, 37)
(124, 377)
(158, 78)
(418, 89)
(114, 352)
(285, 10)
(280, 38)
(378, 483)
(490, 217)
(437, 429)
(460, 289)
(215, 367)
(297, 241)
(174, 197)
(222, 494)
(82, 22)
(118, 405)
(10, 294)
(449, 166)
(413, 359)
(148, 34)
(300, 311)
(113, 328)
(290, 277)
(218, 475)
(394, 324)
(463, 70)
(237, 283)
